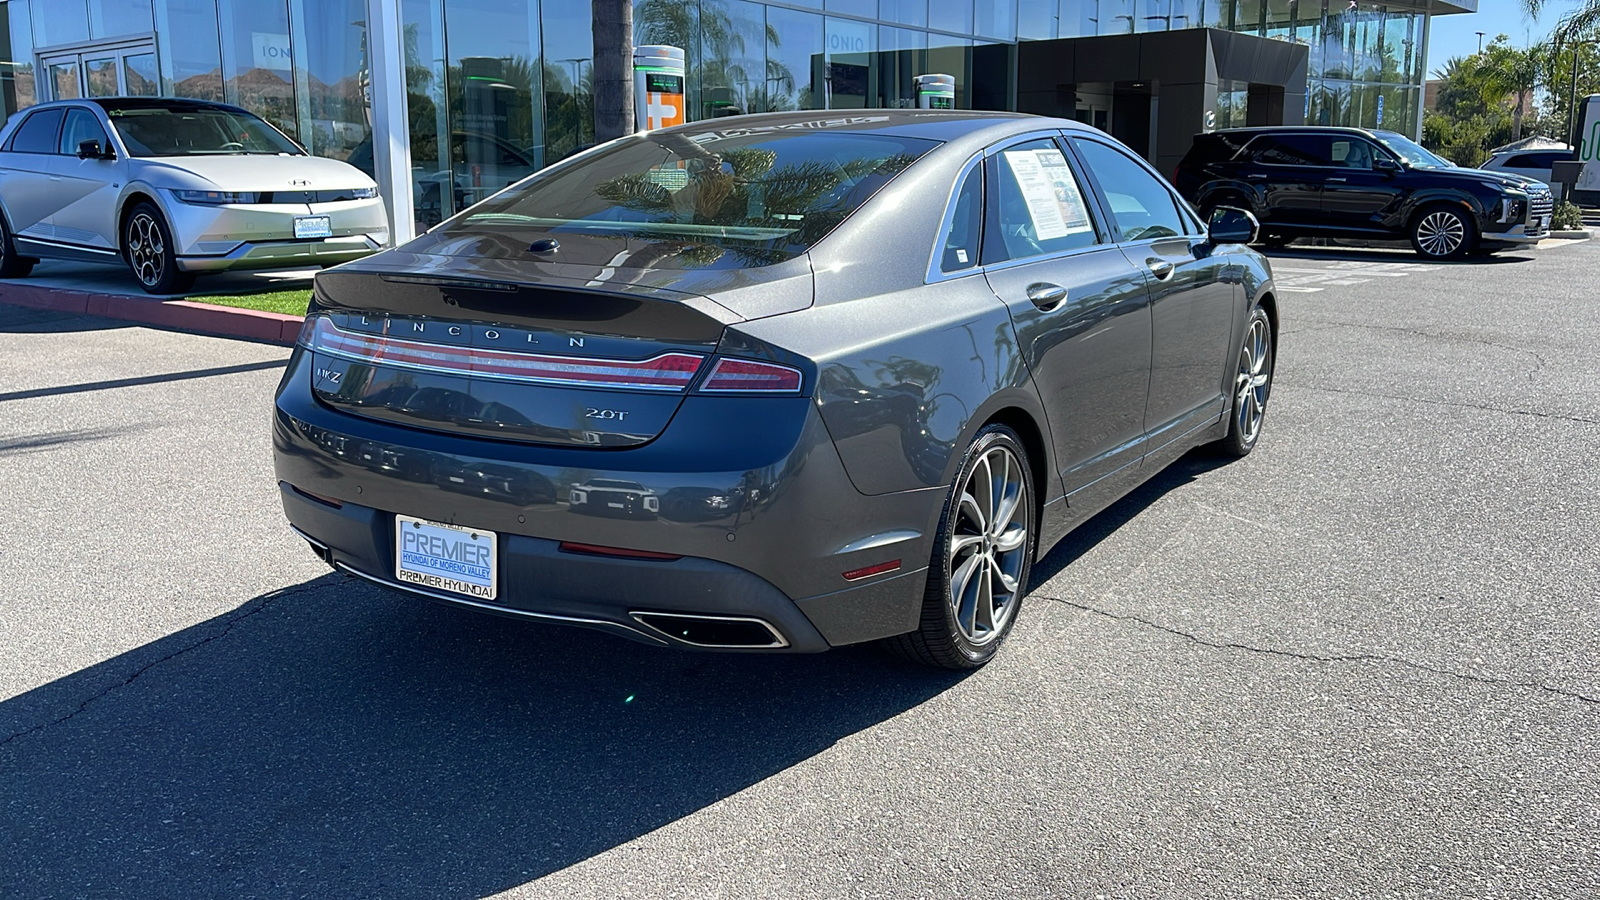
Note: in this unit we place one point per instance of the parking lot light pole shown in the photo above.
(391, 131)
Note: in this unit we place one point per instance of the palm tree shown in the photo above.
(1504, 71)
(613, 69)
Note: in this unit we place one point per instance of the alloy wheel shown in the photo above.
(1254, 380)
(146, 249)
(988, 546)
(1441, 233)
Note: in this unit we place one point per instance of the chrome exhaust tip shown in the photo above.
(714, 632)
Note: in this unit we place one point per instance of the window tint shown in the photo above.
(1140, 203)
(1353, 153)
(960, 248)
(1291, 150)
(81, 126)
(38, 133)
(1036, 204)
(1537, 160)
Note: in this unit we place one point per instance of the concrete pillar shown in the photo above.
(391, 121)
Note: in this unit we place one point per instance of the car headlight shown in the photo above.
(216, 198)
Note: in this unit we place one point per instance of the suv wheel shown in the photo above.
(147, 246)
(1442, 232)
(12, 265)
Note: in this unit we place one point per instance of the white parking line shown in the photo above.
(1305, 277)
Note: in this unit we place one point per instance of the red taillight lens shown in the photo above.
(308, 332)
(667, 372)
(745, 376)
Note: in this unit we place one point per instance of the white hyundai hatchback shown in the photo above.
(174, 188)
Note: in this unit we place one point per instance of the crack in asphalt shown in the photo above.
(1455, 403)
(1326, 324)
(1312, 657)
(226, 628)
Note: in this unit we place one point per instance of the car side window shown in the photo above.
(960, 248)
(1036, 204)
(1141, 205)
(38, 133)
(81, 125)
(1354, 153)
(1291, 150)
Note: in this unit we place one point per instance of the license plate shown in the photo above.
(446, 557)
(312, 226)
(1544, 222)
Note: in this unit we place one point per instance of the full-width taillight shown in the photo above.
(748, 376)
(666, 372)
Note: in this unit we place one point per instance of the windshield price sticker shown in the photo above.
(1055, 204)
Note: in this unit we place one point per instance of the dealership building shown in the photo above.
(491, 90)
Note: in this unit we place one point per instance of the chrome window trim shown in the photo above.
(934, 273)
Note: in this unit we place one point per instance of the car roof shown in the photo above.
(930, 124)
(1330, 129)
(176, 104)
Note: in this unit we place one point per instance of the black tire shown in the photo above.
(990, 551)
(1442, 232)
(1252, 386)
(12, 265)
(147, 247)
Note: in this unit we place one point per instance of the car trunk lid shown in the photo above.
(543, 360)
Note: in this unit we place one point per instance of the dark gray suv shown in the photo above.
(811, 378)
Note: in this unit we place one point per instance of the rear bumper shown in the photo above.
(788, 523)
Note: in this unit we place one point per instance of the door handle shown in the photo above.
(1257, 176)
(1338, 179)
(1161, 268)
(1046, 296)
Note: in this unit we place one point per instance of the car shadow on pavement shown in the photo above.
(1102, 525)
(333, 739)
(1393, 255)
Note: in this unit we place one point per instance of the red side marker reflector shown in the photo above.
(892, 565)
(749, 376)
(623, 552)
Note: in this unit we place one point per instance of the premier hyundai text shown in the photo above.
(813, 379)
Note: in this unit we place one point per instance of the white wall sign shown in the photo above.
(271, 51)
(848, 37)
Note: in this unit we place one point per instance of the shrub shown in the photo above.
(1566, 217)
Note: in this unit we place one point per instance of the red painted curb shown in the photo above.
(227, 321)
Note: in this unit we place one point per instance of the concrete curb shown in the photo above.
(1582, 235)
(226, 321)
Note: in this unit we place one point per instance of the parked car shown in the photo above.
(1304, 181)
(829, 379)
(1536, 164)
(174, 188)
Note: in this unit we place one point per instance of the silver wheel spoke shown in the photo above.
(961, 593)
(983, 609)
(1010, 539)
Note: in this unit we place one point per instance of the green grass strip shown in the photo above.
(292, 303)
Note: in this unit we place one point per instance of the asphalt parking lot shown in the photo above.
(1362, 662)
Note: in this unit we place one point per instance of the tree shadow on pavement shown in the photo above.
(334, 739)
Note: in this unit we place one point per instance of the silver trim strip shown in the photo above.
(782, 642)
(503, 610)
(882, 539)
(63, 244)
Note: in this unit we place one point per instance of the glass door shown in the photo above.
(127, 70)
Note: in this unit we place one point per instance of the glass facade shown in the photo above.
(499, 88)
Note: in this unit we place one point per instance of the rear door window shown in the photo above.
(1292, 150)
(1037, 206)
(38, 133)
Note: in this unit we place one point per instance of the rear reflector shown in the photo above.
(326, 501)
(667, 372)
(623, 552)
(858, 574)
(749, 376)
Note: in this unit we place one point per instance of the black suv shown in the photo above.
(1307, 181)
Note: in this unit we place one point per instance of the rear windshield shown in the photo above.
(153, 131)
(732, 199)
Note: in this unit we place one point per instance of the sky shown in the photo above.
(1457, 35)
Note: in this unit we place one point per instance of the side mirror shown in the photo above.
(90, 149)
(1230, 225)
(1386, 166)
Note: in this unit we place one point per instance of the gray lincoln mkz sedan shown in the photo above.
(814, 378)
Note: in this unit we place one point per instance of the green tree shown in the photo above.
(1502, 71)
